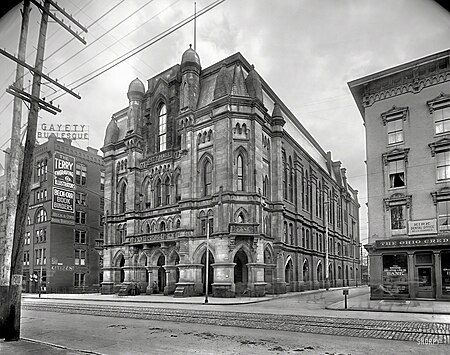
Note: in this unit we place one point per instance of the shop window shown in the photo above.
(424, 258)
(396, 173)
(79, 280)
(395, 274)
(445, 272)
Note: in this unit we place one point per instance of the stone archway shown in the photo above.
(240, 272)
(210, 272)
(161, 273)
(122, 271)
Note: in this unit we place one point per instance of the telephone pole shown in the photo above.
(12, 170)
(13, 300)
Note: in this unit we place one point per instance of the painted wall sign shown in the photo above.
(426, 226)
(63, 200)
(60, 130)
(64, 167)
(412, 242)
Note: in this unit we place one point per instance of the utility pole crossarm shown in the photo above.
(23, 95)
(63, 11)
(38, 72)
(67, 28)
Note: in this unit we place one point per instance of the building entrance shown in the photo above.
(426, 287)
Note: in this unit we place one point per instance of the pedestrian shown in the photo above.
(133, 288)
(155, 287)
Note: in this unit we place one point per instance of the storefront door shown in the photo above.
(426, 286)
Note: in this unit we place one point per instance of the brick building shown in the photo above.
(216, 147)
(64, 219)
(406, 113)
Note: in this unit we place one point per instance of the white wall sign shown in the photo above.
(425, 226)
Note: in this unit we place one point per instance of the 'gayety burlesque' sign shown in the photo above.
(62, 130)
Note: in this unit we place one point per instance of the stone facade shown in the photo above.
(407, 141)
(213, 154)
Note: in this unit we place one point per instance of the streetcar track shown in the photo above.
(380, 329)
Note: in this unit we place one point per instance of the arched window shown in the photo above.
(162, 226)
(285, 176)
(306, 270)
(178, 188)
(178, 224)
(148, 194)
(291, 181)
(285, 231)
(307, 239)
(240, 218)
(147, 227)
(240, 173)
(41, 215)
(158, 188)
(303, 238)
(291, 233)
(28, 220)
(306, 186)
(162, 131)
(267, 225)
(122, 197)
(319, 272)
(207, 178)
(167, 191)
(265, 185)
(185, 96)
(288, 272)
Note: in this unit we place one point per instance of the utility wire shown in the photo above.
(141, 47)
(119, 40)
(93, 23)
(101, 36)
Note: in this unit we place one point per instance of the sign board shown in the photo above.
(62, 130)
(63, 206)
(64, 167)
(62, 268)
(413, 242)
(425, 226)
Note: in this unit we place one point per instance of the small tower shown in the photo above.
(190, 80)
(135, 95)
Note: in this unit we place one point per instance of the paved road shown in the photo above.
(355, 327)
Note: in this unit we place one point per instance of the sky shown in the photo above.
(306, 50)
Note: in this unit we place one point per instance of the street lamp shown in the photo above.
(327, 273)
(207, 259)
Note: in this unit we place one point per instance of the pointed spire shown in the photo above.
(224, 82)
(239, 87)
(277, 115)
(253, 83)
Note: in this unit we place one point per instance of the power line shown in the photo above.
(119, 41)
(93, 23)
(101, 36)
(141, 47)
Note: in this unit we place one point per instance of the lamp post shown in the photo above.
(327, 274)
(207, 260)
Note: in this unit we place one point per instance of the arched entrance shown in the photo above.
(306, 277)
(288, 274)
(161, 273)
(268, 271)
(320, 274)
(122, 271)
(210, 272)
(240, 272)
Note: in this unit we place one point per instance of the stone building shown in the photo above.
(406, 113)
(214, 153)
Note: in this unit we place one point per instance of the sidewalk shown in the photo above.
(363, 303)
(155, 298)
